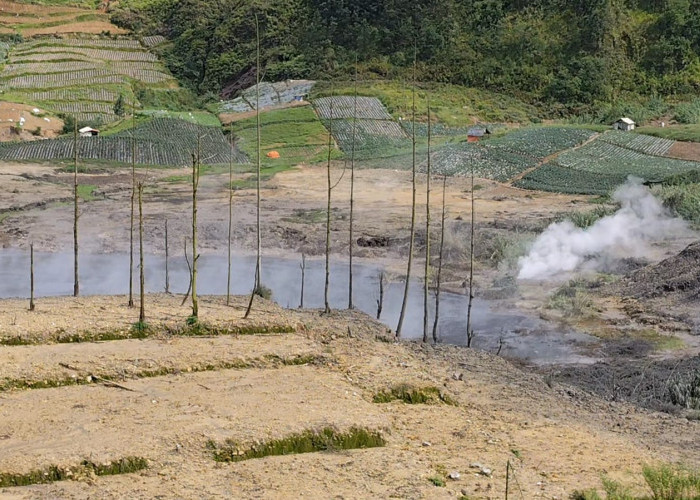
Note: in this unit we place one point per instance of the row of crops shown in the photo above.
(22, 53)
(71, 95)
(271, 94)
(601, 165)
(646, 144)
(487, 162)
(366, 108)
(110, 43)
(540, 142)
(157, 142)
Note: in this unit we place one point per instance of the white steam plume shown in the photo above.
(563, 247)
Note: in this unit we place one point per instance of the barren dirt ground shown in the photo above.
(557, 438)
(176, 393)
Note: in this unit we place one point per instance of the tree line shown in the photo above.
(561, 54)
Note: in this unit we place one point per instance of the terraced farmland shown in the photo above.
(540, 142)
(368, 108)
(79, 76)
(600, 166)
(159, 141)
(488, 163)
(642, 143)
(271, 94)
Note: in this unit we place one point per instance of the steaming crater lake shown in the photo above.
(523, 336)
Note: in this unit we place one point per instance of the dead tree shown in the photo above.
(31, 276)
(380, 300)
(195, 256)
(133, 201)
(230, 217)
(302, 266)
(438, 284)
(426, 272)
(352, 192)
(327, 309)
(470, 331)
(167, 256)
(257, 287)
(76, 282)
(142, 276)
(404, 303)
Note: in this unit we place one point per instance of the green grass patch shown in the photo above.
(683, 200)
(411, 394)
(451, 105)
(54, 473)
(309, 441)
(437, 481)
(688, 133)
(572, 299)
(199, 117)
(585, 220)
(86, 192)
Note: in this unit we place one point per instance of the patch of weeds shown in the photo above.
(309, 441)
(140, 328)
(684, 391)
(200, 328)
(413, 395)
(263, 292)
(437, 481)
(55, 473)
(672, 482)
(191, 320)
(585, 220)
(86, 192)
(516, 453)
(572, 299)
(315, 216)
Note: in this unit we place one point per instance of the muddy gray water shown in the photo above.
(520, 335)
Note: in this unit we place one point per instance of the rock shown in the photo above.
(486, 471)
(454, 475)
(458, 376)
(426, 443)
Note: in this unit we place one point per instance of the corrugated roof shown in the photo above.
(626, 120)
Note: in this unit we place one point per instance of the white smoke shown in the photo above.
(640, 221)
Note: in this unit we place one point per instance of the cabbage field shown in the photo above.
(637, 142)
(160, 141)
(601, 165)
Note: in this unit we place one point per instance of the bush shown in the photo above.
(263, 291)
(673, 482)
(688, 112)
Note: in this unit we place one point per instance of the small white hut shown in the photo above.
(624, 124)
(88, 132)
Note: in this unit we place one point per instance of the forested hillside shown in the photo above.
(543, 51)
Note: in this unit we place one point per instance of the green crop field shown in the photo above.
(82, 77)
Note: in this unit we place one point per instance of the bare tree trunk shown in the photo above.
(352, 192)
(258, 263)
(76, 282)
(189, 272)
(142, 275)
(439, 273)
(230, 218)
(426, 272)
(380, 301)
(470, 331)
(133, 200)
(404, 303)
(167, 274)
(328, 211)
(303, 277)
(31, 276)
(195, 256)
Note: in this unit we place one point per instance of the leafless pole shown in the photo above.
(328, 211)
(230, 218)
(439, 273)
(404, 303)
(76, 283)
(258, 263)
(142, 276)
(133, 200)
(302, 266)
(31, 276)
(167, 274)
(352, 192)
(470, 331)
(426, 272)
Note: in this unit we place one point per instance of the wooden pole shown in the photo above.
(230, 217)
(133, 201)
(303, 272)
(328, 212)
(352, 193)
(380, 301)
(195, 256)
(470, 331)
(31, 276)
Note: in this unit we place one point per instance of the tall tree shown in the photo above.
(470, 330)
(328, 211)
(352, 191)
(426, 272)
(230, 217)
(196, 158)
(257, 287)
(404, 303)
(133, 201)
(438, 284)
(76, 282)
(142, 274)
